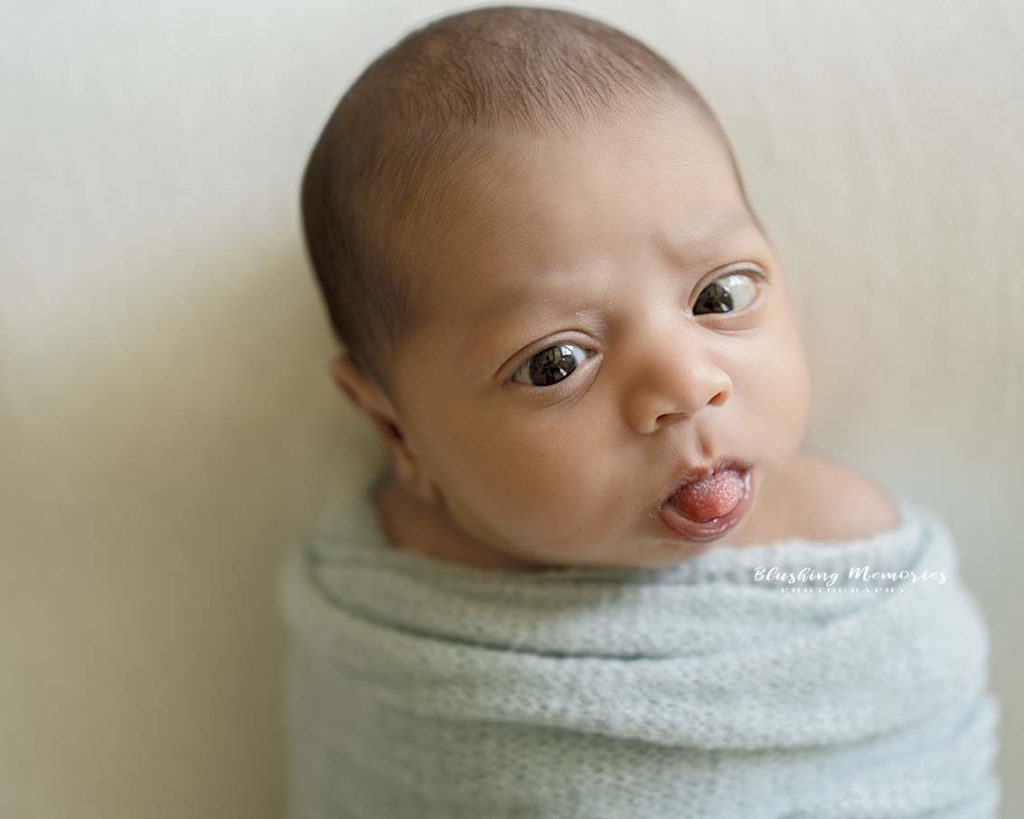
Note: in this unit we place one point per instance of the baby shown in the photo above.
(560, 311)
(607, 580)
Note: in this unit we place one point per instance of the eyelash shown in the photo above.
(752, 274)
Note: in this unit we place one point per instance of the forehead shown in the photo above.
(522, 211)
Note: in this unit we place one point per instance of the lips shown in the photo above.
(707, 502)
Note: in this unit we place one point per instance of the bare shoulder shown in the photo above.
(838, 502)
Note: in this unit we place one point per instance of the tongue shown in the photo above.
(711, 497)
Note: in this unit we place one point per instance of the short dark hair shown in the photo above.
(415, 109)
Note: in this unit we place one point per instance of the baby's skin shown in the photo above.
(607, 316)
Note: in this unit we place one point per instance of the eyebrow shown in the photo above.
(688, 248)
(685, 250)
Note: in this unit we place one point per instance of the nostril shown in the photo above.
(719, 398)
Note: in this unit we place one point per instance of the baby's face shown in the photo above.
(580, 358)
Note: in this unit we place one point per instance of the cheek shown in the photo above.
(529, 474)
(780, 388)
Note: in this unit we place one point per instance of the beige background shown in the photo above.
(167, 427)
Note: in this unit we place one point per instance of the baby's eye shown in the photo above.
(721, 295)
(550, 366)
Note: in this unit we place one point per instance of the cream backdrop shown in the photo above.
(167, 427)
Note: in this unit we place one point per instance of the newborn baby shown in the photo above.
(560, 311)
(568, 326)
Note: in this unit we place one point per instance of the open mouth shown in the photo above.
(705, 508)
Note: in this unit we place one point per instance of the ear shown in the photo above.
(372, 402)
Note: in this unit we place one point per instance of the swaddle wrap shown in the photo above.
(748, 683)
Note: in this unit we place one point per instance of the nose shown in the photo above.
(675, 376)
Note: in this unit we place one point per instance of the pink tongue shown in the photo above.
(712, 497)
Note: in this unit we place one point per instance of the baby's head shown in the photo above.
(555, 301)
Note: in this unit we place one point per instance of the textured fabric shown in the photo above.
(747, 682)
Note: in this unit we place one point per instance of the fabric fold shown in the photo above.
(796, 678)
